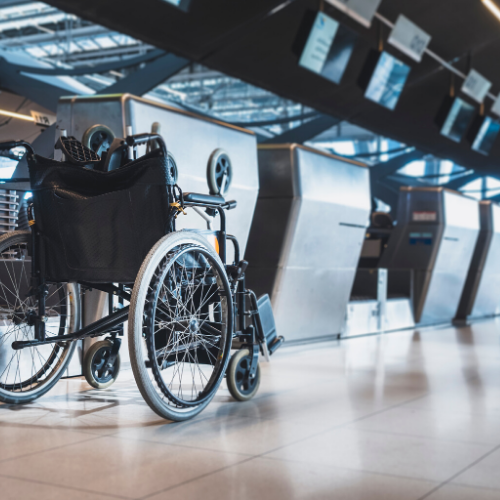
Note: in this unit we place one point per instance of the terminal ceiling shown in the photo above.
(253, 41)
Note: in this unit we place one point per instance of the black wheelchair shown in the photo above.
(107, 223)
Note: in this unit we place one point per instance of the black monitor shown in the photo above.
(455, 117)
(325, 46)
(484, 134)
(182, 4)
(383, 78)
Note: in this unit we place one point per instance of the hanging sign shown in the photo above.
(476, 86)
(496, 106)
(43, 119)
(361, 10)
(409, 38)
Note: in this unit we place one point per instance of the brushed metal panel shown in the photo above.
(319, 206)
(453, 259)
(362, 318)
(487, 300)
(398, 314)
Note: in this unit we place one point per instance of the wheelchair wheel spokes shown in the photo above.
(28, 373)
(186, 328)
(186, 357)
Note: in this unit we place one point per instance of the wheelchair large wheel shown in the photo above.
(180, 325)
(29, 373)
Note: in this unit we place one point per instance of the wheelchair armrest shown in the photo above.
(204, 199)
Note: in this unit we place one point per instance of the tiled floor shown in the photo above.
(408, 415)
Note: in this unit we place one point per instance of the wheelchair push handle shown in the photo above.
(138, 139)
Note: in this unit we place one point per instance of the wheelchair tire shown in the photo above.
(241, 387)
(180, 325)
(94, 368)
(30, 372)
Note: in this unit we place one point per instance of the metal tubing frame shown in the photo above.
(222, 232)
(112, 320)
(94, 329)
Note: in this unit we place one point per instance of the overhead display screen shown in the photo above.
(328, 48)
(182, 4)
(387, 81)
(458, 120)
(486, 136)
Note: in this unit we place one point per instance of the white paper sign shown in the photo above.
(476, 86)
(409, 38)
(361, 10)
(43, 118)
(496, 106)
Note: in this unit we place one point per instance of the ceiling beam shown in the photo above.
(101, 68)
(145, 79)
(304, 132)
(44, 90)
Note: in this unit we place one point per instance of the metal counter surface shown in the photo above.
(306, 237)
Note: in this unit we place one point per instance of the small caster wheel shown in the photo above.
(97, 374)
(240, 385)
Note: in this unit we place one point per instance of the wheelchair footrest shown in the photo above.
(275, 344)
(268, 324)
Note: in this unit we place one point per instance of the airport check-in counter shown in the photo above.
(306, 237)
(374, 306)
(481, 293)
(430, 250)
(193, 141)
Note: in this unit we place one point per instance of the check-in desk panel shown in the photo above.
(306, 237)
(481, 293)
(434, 240)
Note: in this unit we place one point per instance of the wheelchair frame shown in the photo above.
(246, 331)
(251, 336)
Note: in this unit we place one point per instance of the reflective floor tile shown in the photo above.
(278, 480)
(406, 456)
(128, 468)
(17, 489)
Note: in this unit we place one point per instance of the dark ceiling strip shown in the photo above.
(145, 79)
(277, 121)
(102, 68)
(305, 132)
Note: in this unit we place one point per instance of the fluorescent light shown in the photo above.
(16, 115)
(495, 10)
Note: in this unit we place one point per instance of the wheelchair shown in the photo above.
(108, 222)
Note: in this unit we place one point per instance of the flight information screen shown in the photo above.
(328, 48)
(458, 120)
(387, 81)
(486, 136)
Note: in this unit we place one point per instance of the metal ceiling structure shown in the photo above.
(253, 41)
(203, 60)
